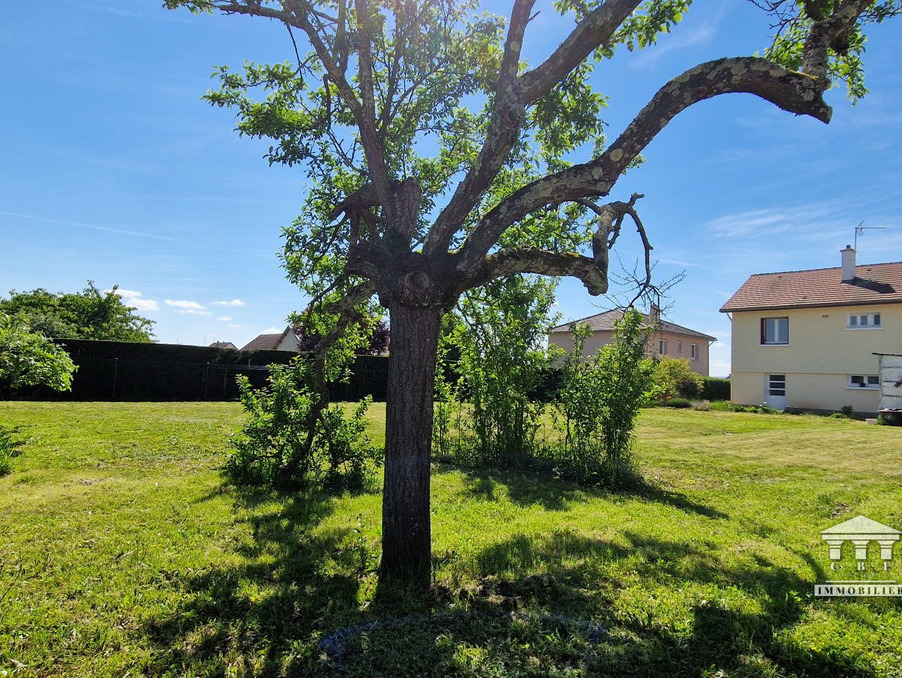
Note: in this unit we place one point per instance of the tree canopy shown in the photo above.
(438, 161)
(89, 314)
(31, 359)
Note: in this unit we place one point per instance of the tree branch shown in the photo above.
(794, 92)
(508, 115)
(298, 14)
(542, 262)
(373, 146)
(830, 33)
(591, 33)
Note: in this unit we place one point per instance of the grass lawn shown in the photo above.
(122, 552)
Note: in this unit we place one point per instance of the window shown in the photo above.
(693, 351)
(863, 381)
(866, 321)
(774, 330)
(662, 346)
(776, 385)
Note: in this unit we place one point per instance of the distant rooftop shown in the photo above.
(604, 322)
(266, 342)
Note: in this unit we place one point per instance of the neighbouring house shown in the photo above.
(667, 338)
(223, 344)
(808, 340)
(286, 341)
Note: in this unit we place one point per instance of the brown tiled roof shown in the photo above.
(604, 322)
(873, 284)
(265, 342)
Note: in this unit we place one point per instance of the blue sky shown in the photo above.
(113, 170)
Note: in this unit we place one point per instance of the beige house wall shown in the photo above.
(678, 346)
(821, 355)
(289, 342)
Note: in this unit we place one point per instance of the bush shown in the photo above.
(31, 359)
(599, 401)
(714, 388)
(290, 439)
(679, 403)
(755, 409)
(501, 363)
(674, 378)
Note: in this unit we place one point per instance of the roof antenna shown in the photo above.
(861, 228)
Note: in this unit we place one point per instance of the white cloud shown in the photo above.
(125, 294)
(135, 299)
(224, 318)
(142, 304)
(233, 302)
(186, 305)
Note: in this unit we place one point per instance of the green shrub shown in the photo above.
(675, 378)
(714, 388)
(722, 406)
(501, 362)
(679, 403)
(755, 409)
(28, 358)
(289, 439)
(599, 400)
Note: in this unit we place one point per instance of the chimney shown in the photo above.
(654, 313)
(848, 264)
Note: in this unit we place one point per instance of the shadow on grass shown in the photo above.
(574, 618)
(299, 601)
(259, 615)
(741, 633)
(531, 488)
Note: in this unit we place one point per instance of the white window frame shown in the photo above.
(863, 382)
(776, 385)
(693, 351)
(864, 321)
(662, 347)
(763, 331)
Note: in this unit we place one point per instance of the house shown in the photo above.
(286, 341)
(807, 339)
(667, 338)
(223, 344)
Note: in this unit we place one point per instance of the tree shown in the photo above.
(438, 162)
(89, 314)
(31, 359)
(377, 337)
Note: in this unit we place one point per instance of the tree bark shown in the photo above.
(406, 533)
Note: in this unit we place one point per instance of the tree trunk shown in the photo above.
(406, 532)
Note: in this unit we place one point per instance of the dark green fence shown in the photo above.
(121, 371)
